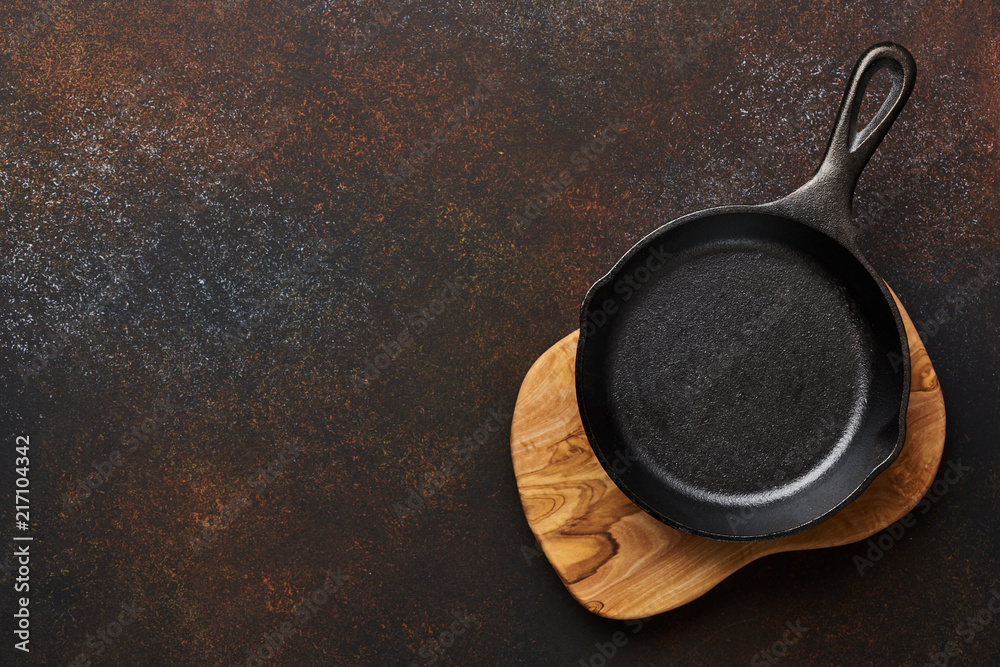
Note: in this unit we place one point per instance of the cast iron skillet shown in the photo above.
(743, 372)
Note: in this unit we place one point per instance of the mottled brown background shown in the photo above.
(226, 161)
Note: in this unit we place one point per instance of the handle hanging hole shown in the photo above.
(877, 91)
(874, 96)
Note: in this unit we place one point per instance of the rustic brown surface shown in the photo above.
(198, 206)
(620, 562)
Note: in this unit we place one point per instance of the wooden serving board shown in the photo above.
(620, 562)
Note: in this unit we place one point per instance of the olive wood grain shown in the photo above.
(621, 563)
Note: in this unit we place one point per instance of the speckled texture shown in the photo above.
(202, 237)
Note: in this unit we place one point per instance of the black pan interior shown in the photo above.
(736, 375)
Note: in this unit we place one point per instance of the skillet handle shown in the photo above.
(826, 199)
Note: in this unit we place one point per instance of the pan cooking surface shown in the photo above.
(735, 374)
(740, 369)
